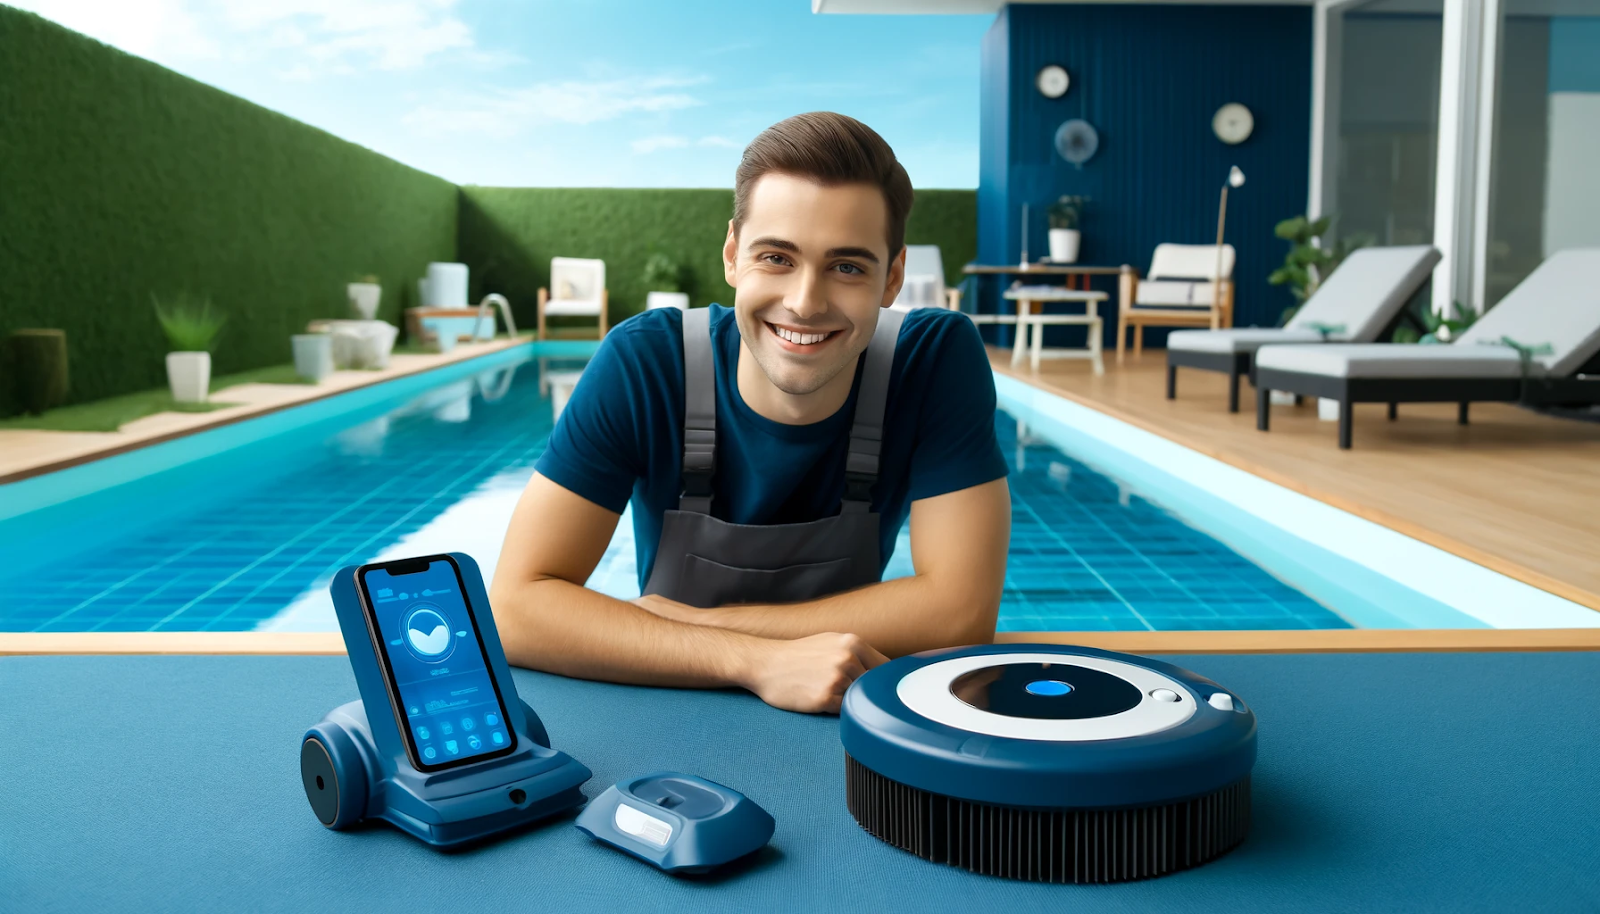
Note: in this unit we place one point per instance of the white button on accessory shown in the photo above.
(1164, 695)
(1222, 701)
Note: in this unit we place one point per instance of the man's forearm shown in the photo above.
(899, 616)
(565, 628)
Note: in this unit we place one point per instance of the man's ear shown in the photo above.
(730, 256)
(896, 279)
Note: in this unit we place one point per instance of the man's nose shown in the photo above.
(807, 299)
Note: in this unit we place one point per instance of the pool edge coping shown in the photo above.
(113, 450)
(1275, 641)
(1499, 564)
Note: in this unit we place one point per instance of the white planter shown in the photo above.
(1064, 245)
(313, 356)
(679, 300)
(445, 286)
(189, 376)
(364, 299)
(1327, 410)
(1280, 398)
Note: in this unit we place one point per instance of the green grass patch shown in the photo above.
(110, 414)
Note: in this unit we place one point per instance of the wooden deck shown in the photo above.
(1514, 491)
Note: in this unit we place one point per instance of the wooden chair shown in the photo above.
(580, 291)
(1181, 290)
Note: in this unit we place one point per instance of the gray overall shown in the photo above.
(705, 562)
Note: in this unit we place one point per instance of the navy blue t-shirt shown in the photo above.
(621, 434)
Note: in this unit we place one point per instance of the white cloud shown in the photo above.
(510, 111)
(650, 144)
(308, 37)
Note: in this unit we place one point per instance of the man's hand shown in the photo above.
(809, 675)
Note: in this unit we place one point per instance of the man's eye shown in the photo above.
(851, 268)
(777, 259)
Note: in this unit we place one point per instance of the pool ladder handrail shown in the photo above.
(495, 298)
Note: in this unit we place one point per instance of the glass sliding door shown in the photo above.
(1384, 125)
(1544, 190)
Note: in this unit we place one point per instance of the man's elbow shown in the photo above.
(972, 619)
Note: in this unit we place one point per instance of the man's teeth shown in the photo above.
(804, 339)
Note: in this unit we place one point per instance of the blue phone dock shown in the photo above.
(677, 822)
(354, 763)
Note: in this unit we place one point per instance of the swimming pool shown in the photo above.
(241, 527)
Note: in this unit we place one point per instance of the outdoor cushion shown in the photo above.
(563, 307)
(1557, 305)
(577, 279)
(1367, 291)
(1245, 339)
(1396, 360)
(1190, 261)
(1167, 293)
(920, 290)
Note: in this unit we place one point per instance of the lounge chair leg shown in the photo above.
(1346, 419)
(1263, 408)
(1394, 411)
(1172, 382)
(1233, 390)
(1298, 399)
(1461, 413)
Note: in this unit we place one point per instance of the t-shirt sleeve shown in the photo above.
(594, 449)
(956, 443)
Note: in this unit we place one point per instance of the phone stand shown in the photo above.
(354, 764)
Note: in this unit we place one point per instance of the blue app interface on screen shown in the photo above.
(443, 680)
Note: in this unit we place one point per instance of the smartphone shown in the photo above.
(446, 702)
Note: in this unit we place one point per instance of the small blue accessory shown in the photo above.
(1047, 762)
(354, 765)
(677, 822)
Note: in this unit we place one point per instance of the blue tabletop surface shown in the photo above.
(1385, 782)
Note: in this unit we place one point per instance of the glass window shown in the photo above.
(1544, 181)
(1386, 123)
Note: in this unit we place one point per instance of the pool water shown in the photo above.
(248, 537)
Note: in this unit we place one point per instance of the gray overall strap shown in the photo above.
(866, 432)
(699, 412)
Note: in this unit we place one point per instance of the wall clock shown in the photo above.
(1233, 123)
(1052, 81)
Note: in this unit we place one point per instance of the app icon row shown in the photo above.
(468, 724)
(473, 743)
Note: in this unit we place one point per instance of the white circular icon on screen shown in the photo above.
(428, 632)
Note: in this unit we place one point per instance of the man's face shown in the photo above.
(810, 269)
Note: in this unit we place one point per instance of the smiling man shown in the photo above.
(772, 452)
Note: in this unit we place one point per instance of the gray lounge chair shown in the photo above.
(1553, 316)
(1360, 303)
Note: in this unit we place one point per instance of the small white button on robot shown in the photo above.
(1222, 701)
(1164, 695)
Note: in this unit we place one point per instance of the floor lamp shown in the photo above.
(1235, 179)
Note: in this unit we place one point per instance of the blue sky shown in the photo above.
(590, 93)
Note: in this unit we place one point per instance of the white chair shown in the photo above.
(924, 286)
(579, 291)
(1184, 288)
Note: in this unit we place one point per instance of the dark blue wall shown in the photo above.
(1149, 78)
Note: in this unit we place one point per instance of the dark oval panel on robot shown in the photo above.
(1005, 689)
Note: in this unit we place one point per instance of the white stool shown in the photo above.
(1027, 321)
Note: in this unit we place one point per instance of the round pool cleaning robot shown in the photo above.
(1048, 762)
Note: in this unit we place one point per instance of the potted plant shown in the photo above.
(663, 276)
(191, 328)
(364, 294)
(1064, 235)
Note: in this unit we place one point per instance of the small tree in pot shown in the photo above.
(663, 277)
(364, 294)
(191, 328)
(1065, 214)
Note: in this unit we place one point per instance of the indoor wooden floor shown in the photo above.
(1513, 490)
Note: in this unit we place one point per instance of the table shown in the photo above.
(1386, 781)
(1028, 296)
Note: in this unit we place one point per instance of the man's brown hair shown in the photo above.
(830, 149)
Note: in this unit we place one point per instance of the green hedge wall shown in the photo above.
(119, 178)
(509, 234)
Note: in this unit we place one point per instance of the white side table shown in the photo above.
(1028, 322)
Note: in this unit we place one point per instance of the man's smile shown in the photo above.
(801, 339)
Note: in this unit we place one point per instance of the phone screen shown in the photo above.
(446, 701)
